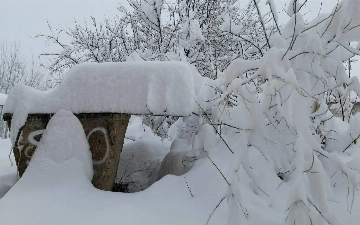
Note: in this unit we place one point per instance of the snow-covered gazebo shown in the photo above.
(102, 96)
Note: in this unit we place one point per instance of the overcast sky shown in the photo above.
(21, 20)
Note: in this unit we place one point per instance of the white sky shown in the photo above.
(21, 20)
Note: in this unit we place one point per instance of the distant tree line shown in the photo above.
(14, 69)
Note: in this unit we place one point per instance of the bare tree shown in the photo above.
(13, 70)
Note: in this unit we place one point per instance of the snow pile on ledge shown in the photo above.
(159, 88)
(65, 139)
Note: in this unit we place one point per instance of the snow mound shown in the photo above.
(139, 164)
(137, 130)
(8, 172)
(158, 88)
(7, 181)
(64, 139)
(178, 161)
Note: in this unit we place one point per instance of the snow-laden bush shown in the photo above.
(147, 158)
(139, 164)
(278, 105)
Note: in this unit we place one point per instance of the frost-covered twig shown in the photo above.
(262, 22)
(228, 147)
(321, 21)
(217, 168)
(249, 41)
(187, 185)
(11, 150)
(213, 212)
(127, 166)
(273, 13)
(318, 210)
(352, 142)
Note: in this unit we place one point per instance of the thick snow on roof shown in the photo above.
(2, 98)
(159, 88)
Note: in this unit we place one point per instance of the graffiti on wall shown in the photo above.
(29, 149)
(106, 139)
(34, 139)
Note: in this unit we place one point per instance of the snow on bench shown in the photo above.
(102, 96)
(158, 88)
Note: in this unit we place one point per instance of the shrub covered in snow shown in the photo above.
(277, 105)
(146, 158)
(139, 165)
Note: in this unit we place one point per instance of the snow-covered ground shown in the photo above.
(2, 99)
(8, 175)
(57, 189)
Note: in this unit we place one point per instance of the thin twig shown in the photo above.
(187, 185)
(10, 157)
(215, 129)
(262, 23)
(219, 171)
(217, 206)
(351, 143)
